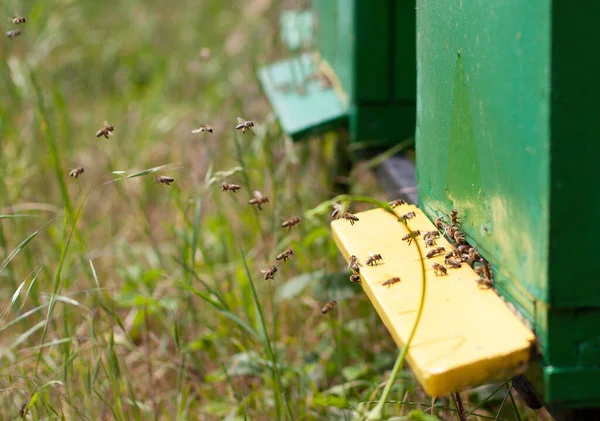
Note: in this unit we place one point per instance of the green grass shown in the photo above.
(124, 299)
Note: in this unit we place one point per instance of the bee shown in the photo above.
(450, 230)
(466, 258)
(374, 259)
(474, 254)
(350, 218)
(439, 223)
(292, 222)
(454, 217)
(435, 252)
(203, 128)
(329, 306)
(450, 262)
(338, 211)
(486, 269)
(395, 203)
(355, 278)
(391, 282)
(270, 273)
(19, 19)
(430, 242)
(244, 125)
(484, 283)
(407, 216)
(76, 172)
(459, 238)
(430, 237)
(105, 131)
(434, 234)
(411, 236)
(164, 179)
(463, 248)
(286, 254)
(258, 200)
(354, 264)
(439, 270)
(13, 34)
(230, 187)
(479, 270)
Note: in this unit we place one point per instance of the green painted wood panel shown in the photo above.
(403, 50)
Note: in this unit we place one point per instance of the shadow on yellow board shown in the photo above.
(467, 336)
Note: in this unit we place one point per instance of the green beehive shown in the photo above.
(371, 67)
(506, 134)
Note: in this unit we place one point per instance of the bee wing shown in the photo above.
(241, 120)
(196, 130)
(257, 194)
(105, 123)
(264, 270)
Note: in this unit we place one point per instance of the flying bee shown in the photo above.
(450, 262)
(203, 128)
(350, 218)
(230, 187)
(395, 203)
(164, 179)
(19, 19)
(244, 125)
(411, 236)
(270, 273)
(105, 131)
(339, 211)
(355, 278)
(439, 270)
(329, 306)
(354, 264)
(13, 34)
(76, 172)
(391, 282)
(286, 254)
(484, 283)
(374, 259)
(435, 252)
(439, 223)
(258, 200)
(434, 234)
(292, 222)
(454, 217)
(407, 216)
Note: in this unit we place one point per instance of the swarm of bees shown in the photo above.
(76, 172)
(105, 131)
(286, 254)
(244, 125)
(258, 200)
(203, 128)
(163, 179)
(230, 187)
(292, 222)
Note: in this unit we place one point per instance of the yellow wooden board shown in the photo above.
(467, 336)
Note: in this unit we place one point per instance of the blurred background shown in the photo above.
(122, 298)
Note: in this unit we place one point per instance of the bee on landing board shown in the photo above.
(374, 260)
(163, 179)
(258, 200)
(329, 306)
(454, 217)
(230, 187)
(439, 223)
(105, 131)
(203, 128)
(407, 216)
(435, 252)
(484, 283)
(13, 34)
(355, 278)
(292, 222)
(411, 236)
(270, 273)
(450, 262)
(439, 270)
(391, 282)
(286, 254)
(354, 264)
(244, 125)
(76, 172)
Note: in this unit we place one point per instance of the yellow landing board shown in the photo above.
(466, 337)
